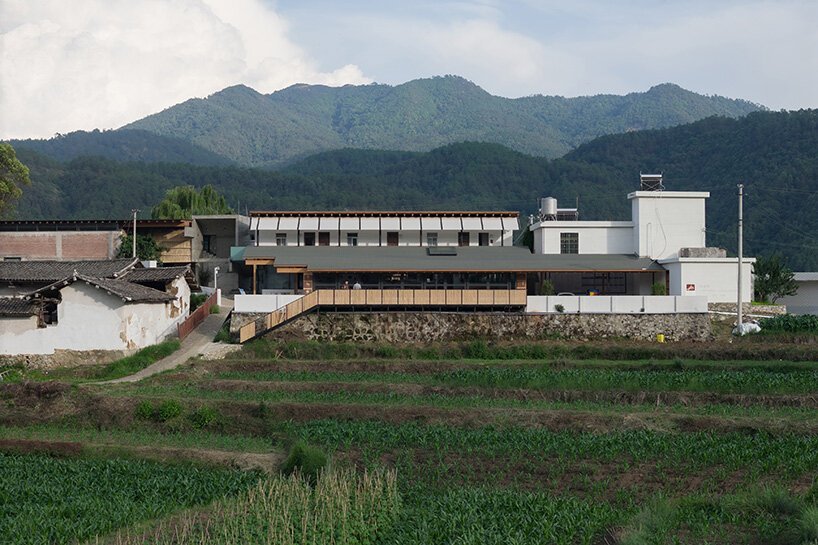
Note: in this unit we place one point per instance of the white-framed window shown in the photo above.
(569, 243)
(281, 239)
(431, 239)
(352, 239)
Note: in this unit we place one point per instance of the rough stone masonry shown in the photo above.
(425, 327)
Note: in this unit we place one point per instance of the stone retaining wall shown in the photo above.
(425, 327)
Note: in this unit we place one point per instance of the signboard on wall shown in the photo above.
(690, 287)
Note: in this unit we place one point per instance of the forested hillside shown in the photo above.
(773, 153)
(122, 145)
(268, 130)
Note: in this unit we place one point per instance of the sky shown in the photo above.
(86, 64)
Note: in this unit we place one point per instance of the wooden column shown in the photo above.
(255, 277)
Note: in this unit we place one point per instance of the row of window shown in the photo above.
(392, 238)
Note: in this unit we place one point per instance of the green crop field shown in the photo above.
(468, 445)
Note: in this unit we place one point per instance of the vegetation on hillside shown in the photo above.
(773, 153)
(14, 175)
(259, 130)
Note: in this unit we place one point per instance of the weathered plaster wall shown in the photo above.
(405, 327)
(90, 319)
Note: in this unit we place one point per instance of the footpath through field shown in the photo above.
(194, 344)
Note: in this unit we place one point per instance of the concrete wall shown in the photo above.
(805, 301)
(617, 304)
(91, 319)
(595, 237)
(59, 245)
(665, 221)
(715, 279)
(404, 327)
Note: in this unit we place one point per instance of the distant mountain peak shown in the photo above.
(254, 129)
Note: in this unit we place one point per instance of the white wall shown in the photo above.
(665, 221)
(616, 304)
(805, 301)
(90, 319)
(405, 237)
(595, 237)
(714, 278)
(262, 303)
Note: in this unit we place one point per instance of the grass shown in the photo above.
(545, 377)
(745, 348)
(138, 361)
(50, 500)
(193, 438)
(341, 507)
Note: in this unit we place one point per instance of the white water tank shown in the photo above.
(548, 207)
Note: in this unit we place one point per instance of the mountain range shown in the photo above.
(241, 126)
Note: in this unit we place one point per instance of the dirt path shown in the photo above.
(198, 342)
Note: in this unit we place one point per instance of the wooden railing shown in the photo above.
(196, 317)
(376, 298)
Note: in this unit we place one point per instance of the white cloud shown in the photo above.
(102, 63)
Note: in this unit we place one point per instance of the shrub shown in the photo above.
(776, 501)
(215, 309)
(547, 288)
(658, 289)
(145, 410)
(559, 308)
(806, 323)
(203, 417)
(196, 300)
(168, 409)
(306, 460)
(808, 525)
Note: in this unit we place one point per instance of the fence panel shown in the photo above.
(196, 317)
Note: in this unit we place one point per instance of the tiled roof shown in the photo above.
(130, 292)
(155, 274)
(52, 271)
(16, 307)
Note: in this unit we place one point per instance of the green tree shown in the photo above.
(185, 201)
(146, 248)
(13, 176)
(773, 279)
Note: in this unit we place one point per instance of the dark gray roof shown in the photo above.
(16, 307)
(469, 258)
(155, 274)
(130, 292)
(51, 271)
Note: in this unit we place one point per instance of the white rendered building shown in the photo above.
(667, 227)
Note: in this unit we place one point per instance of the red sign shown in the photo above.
(690, 287)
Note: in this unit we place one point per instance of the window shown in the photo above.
(12, 259)
(462, 239)
(309, 239)
(352, 239)
(281, 239)
(392, 239)
(209, 244)
(483, 239)
(431, 239)
(569, 243)
(323, 239)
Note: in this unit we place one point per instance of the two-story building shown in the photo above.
(667, 233)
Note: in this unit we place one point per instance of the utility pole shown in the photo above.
(739, 318)
(134, 211)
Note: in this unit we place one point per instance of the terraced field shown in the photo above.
(552, 450)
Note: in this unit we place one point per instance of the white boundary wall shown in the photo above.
(617, 304)
(262, 303)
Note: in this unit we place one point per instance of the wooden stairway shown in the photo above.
(383, 298)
